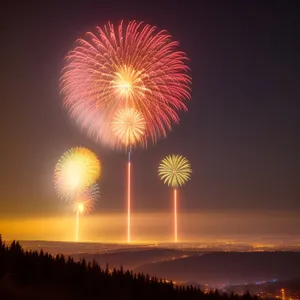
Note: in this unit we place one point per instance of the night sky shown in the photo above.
(241, 132)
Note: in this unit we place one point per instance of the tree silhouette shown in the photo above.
(39, 275)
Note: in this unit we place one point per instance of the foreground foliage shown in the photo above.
(39, 275)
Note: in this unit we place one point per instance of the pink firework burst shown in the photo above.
(132, 65)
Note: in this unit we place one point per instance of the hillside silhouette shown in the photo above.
(131, 259)
(38, 275)
(228, 267)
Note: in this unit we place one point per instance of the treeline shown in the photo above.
(39, 275)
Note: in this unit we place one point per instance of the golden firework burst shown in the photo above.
(77, 169)
(129, 126)
(175, 170)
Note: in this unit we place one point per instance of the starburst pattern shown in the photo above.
(77, 169)
(129, 126)
(175, 170)
(86, 200)
(133, 65)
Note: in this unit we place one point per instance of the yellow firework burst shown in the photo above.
(128, 83)
(77, 169)
(128, 126)
(175, 170)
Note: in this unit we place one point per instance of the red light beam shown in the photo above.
(128, 200)
(77, 225)
(175, 215)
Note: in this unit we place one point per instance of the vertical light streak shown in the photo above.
(175, 170)
(128, 199)
(77, 225)
(175, 215)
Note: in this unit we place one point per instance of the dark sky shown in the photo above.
(241, 133)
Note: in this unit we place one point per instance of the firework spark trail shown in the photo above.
(132, 65)
(175, 171)
(77, 225)
(175, 216)
(128, 199)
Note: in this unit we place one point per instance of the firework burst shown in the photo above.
(129, 126)
(129, 66)
(77, 169)
(86, 200)
(175, 170)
